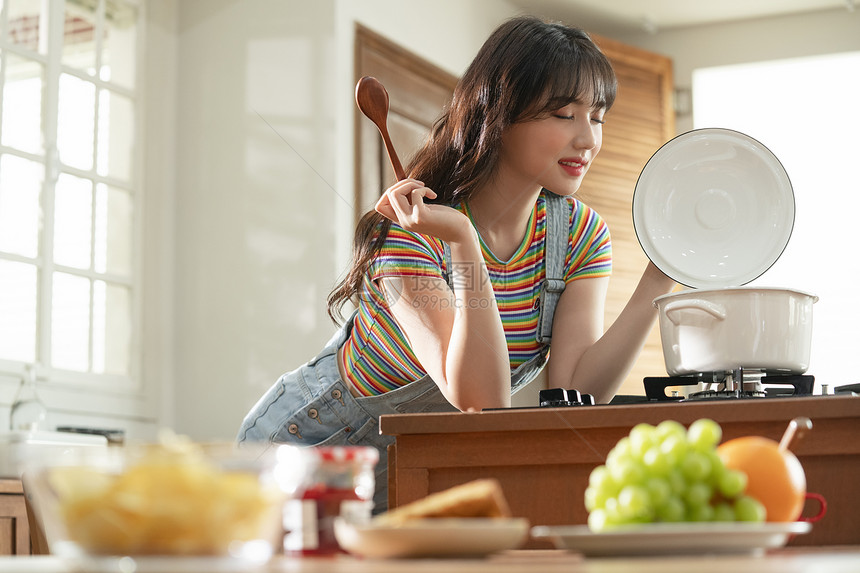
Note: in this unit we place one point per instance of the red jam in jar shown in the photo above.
(341, 484)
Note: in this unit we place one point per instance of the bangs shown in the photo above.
(587, 84)
(580, 74)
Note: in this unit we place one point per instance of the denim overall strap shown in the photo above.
(448, 274)
(528, 371)
(555, 248)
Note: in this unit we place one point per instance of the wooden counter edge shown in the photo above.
(11, 486)
(778, 409)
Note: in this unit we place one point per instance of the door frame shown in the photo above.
(399, 63)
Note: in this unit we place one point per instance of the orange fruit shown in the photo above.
(776, 477)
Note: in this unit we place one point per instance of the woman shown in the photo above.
(468, 268)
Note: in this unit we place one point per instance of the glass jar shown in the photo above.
(342, 484)
(28, 412)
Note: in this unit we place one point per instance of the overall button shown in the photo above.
(314, 415)
(338, 395)
(294, 430)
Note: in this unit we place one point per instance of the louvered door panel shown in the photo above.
(638, 124)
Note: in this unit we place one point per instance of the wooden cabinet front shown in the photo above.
(14, 525)
(543, 456)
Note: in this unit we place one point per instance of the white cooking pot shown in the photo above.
(721, 330)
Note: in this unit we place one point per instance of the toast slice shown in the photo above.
(478, 498)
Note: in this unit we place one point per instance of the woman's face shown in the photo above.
(554, 150)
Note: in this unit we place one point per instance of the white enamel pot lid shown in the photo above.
(713, 208)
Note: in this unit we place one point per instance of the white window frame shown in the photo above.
(101, 383)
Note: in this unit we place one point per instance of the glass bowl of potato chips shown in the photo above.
(173, 498)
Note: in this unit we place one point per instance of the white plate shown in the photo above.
(440, 537)
(713, 208)
(673, 538)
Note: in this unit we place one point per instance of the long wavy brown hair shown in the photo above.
(526, 68)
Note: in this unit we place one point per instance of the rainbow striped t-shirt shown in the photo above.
(377, 357)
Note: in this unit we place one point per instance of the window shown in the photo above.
(69, 190)
(806, 112)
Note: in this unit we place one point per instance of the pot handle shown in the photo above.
(672, 309)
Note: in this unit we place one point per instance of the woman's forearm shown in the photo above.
(477, 366)
(604, 365)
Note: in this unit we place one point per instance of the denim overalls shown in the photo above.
(312, 406)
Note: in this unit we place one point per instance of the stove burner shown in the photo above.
(731, 385)
(726, 394)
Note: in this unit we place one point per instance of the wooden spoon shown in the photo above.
(372, 100)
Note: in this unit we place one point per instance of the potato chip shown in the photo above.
(171, 501)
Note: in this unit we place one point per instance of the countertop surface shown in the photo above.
(792, 560)
(530, 419)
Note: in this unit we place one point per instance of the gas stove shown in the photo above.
(740, 384)
(737, 384)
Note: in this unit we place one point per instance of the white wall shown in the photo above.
(254, 201)
(808, 34)
(159, 145)
(260, 213)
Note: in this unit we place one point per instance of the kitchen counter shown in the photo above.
(798, 560)
(543, 456)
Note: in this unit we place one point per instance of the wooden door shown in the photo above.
(641, 121)
(417, 92)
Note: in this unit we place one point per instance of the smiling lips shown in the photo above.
(574, 166)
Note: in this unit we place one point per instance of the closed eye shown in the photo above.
(572, 117)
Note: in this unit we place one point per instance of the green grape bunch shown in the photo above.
(667, 473)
